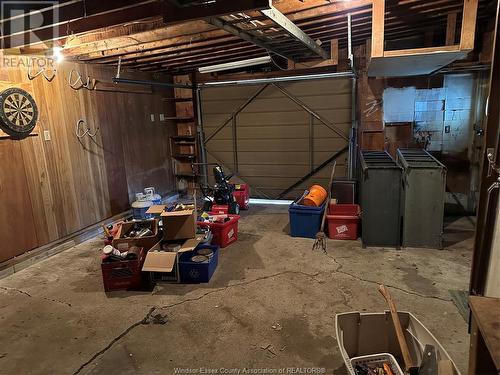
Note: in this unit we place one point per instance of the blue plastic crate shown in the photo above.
(305, 221)
(193, 272)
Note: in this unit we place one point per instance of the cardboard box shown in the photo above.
(164, 265)
(156, 210)
(179, 225)
(146, 242)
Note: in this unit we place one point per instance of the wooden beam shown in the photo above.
(244, 35)
(175, 14)
(468, 25)
(334, 51)
(451, 26)
(378, 12)
(294, 31)
(309, 9)
(332, 61)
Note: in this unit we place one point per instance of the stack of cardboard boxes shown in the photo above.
(163, 259)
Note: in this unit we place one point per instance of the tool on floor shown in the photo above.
(320, 242)
(409, 367)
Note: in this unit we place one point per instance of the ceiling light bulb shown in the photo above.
(57, 54)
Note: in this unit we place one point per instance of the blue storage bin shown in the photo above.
(193, 272)
(305, 221)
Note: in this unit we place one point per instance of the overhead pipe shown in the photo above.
(257, 81)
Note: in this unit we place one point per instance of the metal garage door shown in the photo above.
(273, 135)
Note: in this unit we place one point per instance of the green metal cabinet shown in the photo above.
(379, 191)
(422, 198)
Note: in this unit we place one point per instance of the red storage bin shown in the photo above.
(343, 221)
(224, 234)
(125, 274)
(242, 195)
(220, 208)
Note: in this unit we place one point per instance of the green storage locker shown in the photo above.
(422, 198)
(379, 191)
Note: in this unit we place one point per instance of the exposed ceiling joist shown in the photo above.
(294, 31)
(176, 14)
(243, 35)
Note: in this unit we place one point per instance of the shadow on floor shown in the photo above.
(458, 229)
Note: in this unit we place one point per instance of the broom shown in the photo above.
(320, 242)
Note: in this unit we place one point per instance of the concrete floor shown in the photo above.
(271, 304)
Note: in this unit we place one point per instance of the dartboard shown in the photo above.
(18, 112)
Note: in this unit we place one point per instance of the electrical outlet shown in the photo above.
(162, 117)
(447, 129)
(152, 117)
(46, 135)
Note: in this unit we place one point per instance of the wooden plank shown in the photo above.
(16, 219)
(378, 12)
(451, 26)
(468, 25)
(485, 312)
(174, 14)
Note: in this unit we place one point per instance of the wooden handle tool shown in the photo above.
(399, 330)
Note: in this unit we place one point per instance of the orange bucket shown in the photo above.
(316, 197)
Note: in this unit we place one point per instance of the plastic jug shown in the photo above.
(152, 196)
(140, 206)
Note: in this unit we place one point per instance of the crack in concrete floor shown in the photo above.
(339, 270)
(7, 289)
(155, 308)
(345, 301)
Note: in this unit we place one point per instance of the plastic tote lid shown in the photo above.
(141, 202)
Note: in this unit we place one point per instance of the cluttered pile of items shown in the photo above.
(394, 195)
(164, 243)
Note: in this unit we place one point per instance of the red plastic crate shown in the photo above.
(224, 234)
(124, 274)
(242, 195)
(343, 221)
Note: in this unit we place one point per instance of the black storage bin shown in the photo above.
(380, 186)
(344, 191)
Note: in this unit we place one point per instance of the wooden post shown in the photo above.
(378, 11)
(334, 53)
(468, 25)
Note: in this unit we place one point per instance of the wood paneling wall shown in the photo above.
(52, 188)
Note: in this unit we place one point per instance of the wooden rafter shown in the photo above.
(175, 14)
(147, 44)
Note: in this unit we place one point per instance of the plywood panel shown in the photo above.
(16, 220)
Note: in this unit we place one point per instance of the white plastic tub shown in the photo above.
(363, 334)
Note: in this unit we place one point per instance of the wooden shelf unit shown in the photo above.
(183, 145)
